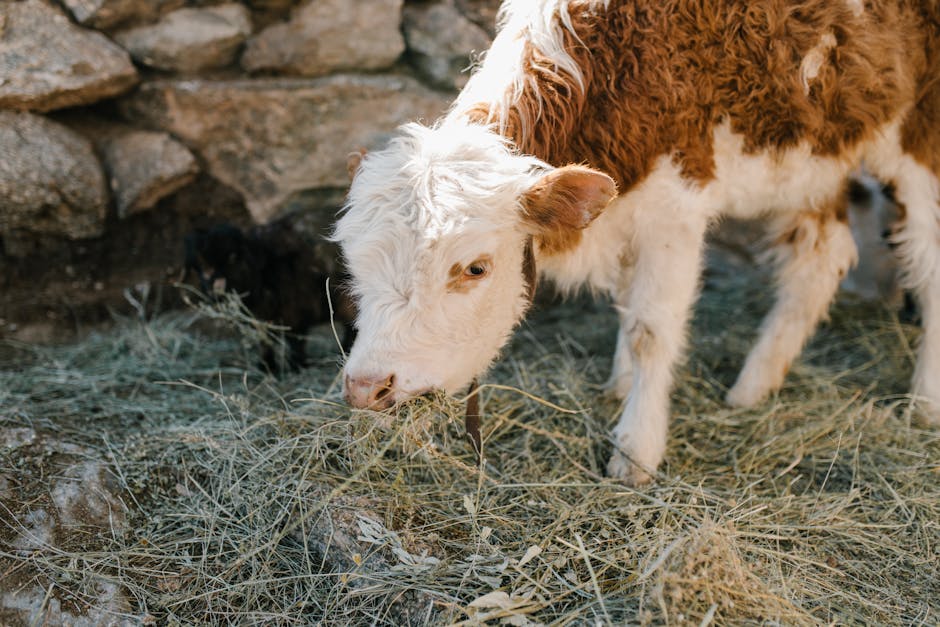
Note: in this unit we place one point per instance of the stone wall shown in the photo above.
(125, 123)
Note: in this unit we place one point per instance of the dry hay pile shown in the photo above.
(261, 501)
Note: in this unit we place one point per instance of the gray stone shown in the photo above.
(442, 42)
(16, 437)
(85, 496)
(106, 14)
(46, 62)
(190, 40)
(50, 180)
(145, 166)
(107, 607)
(323, 36)
(481, 12)
(37, 531)
(272, 139)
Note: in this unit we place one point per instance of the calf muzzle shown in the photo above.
(370, 392)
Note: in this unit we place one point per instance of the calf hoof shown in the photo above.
(619, 467)
(926, 393)
(928, 408)
(744, 396)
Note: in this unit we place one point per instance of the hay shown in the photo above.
(262, 501)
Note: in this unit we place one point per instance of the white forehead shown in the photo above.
(434, 190)
(432, 181)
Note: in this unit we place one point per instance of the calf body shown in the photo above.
(694, 110)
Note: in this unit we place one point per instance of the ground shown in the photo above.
(151, 474)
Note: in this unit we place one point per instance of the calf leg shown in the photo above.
(668, 246)
(814, 251)
(621, 374)
(918, 240)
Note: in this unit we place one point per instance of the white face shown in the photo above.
(434, 235)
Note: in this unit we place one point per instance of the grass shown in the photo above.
(253, 500)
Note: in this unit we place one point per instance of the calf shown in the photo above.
(676, 113)
(278, 276)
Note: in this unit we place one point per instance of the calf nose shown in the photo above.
(369, 392)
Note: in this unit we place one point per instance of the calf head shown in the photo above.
(434, 233)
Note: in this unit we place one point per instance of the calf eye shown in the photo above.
(476, 270)
(462, 278)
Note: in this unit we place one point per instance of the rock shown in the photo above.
(323, 36)
(106, 14)
(267, 12)
(16, 437)
(274, 139)
(46, 62)
(107, 607)
(50, 179)
(190, 40)
(441, 42)
(481, 12)
(145, 166)
(65, 502)
(85, 496)
(37, 531)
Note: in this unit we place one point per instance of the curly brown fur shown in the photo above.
(660, 75)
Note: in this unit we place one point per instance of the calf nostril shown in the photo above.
(384, 391)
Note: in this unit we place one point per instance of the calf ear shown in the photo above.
(567, 199)
(353, 160)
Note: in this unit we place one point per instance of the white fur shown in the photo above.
(918, 190)
(875, 278)
(501, 78)
(815, 58)
(809, 273)
(857, 6)
(435, 198)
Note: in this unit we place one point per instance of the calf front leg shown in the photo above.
(814, 251)
(918, 239)
(668, 252)
(621, 373)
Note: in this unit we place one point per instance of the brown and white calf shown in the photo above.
(676, 112)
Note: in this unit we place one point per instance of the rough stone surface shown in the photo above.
(190, 40)
(50, 180)
(442, 42)
(15, 437)
(46, 62)
(32, 606)
(276, 138)
(62, 500)
(481, 12)
(145, 166)
(85, 496)
(109, 13)
(37, 531)
(328, 35)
